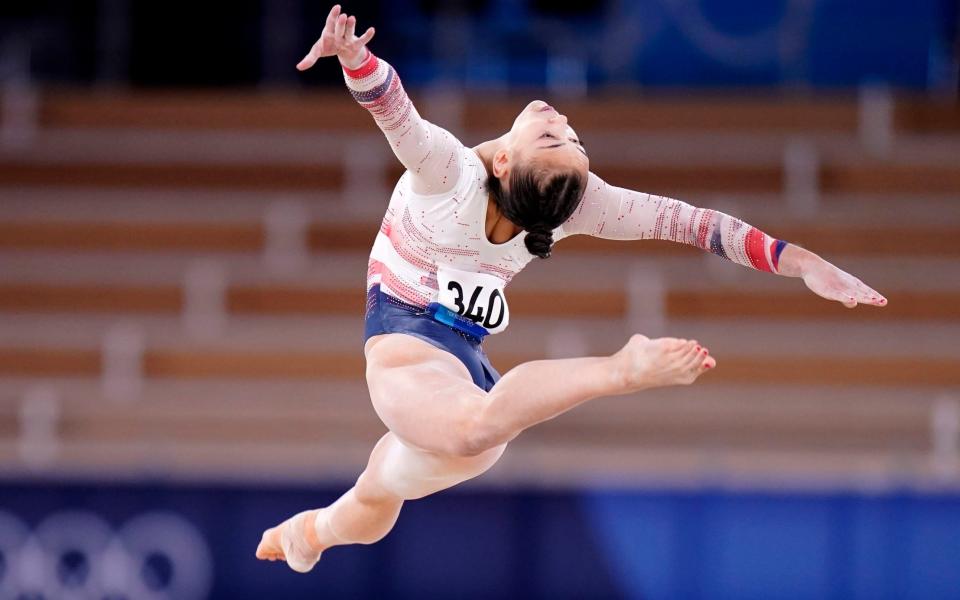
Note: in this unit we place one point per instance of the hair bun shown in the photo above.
(539, 242)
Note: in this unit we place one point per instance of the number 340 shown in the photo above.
(473, 311)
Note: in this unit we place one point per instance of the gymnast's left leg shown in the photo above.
(395, 472)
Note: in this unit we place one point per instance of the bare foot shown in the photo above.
(295, 541)
(650, 363)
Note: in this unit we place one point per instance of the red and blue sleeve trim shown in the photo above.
(756, 251)
(776, 248)
(368, 66)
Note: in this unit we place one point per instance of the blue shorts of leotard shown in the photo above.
(386, 314)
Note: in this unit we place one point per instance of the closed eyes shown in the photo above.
(575, 141)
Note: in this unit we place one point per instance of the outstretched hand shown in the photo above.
(338, 39)
(832, 283)
(826, 280)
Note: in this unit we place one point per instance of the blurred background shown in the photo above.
(184, 226)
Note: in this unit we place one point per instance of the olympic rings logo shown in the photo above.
(77, 555)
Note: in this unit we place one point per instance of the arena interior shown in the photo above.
(185, 223)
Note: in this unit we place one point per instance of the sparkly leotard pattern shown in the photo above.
(436, 215)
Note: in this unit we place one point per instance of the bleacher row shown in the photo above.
(116, 205)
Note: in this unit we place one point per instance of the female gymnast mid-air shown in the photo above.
(460, 224)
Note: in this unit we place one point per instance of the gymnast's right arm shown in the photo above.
(430, 153)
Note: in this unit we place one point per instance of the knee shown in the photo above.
(470, 443)
(371, 489)
(375, 514)
(475, 434)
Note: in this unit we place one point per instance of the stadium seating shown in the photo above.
(97, 234)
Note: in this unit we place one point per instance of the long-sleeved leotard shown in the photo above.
(430, 153)
(616, 213)
(434, 229)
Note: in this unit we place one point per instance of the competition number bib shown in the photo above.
(474, 296)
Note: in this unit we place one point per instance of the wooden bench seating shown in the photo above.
(335, 110)
(132, 236)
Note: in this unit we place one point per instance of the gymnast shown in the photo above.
(461, 223)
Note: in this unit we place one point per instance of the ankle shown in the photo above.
(623, 374)
(627, 372)
(321, 534)
(311, 533)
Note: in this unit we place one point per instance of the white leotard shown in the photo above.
(421, 231)
(432, 245)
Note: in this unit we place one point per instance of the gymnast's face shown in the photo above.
(540, 134)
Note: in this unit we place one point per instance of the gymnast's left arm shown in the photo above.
(430, 153)
(620, 214)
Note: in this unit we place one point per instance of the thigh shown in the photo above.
(422, 394)
(411, 473)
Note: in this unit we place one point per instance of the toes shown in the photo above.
(708, 363)
(701, 355)
(696, 356)
(268, 547)
(674, 344)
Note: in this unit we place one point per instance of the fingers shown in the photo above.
(332, 18)
(861, 294)
(837, 295)
(328, 28)
(859, 291)
(840, 286)
(366, 37)
(308, 61)
(338, 36)
(870, 295)
(841, 296)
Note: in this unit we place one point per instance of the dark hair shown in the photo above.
(539, 203)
